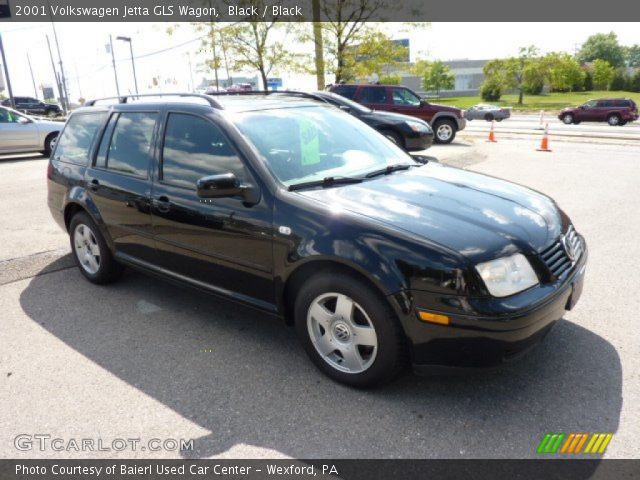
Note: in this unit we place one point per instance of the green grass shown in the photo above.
(535, 103)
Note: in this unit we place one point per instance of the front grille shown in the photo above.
(560, 256)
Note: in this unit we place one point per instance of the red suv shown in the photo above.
(445, 121)
(614, 111)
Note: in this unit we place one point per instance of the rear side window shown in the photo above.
(373, 95)
(348, 91)
(195, 148)
(129, 137)
(74, 145)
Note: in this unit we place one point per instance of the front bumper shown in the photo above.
(418, 142)
(484, 341)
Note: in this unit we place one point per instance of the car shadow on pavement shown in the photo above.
(245, 378)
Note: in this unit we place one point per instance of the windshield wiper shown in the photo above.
(325, 182)
(389, 169)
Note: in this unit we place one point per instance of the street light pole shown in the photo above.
(113, 61)
(133, 63)
(33, 79)
(55, 73)
(63, 81)
(6, 74)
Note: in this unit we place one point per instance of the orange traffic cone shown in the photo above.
(492, 135)
(544, 144)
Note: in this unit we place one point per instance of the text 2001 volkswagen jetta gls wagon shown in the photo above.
(299, 209)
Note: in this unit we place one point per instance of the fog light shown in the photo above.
(434, 318)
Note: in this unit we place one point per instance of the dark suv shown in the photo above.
(300, 210)
(445, 121)
(614, 111)
(33, 106)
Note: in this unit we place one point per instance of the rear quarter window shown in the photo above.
(76, 140)
(348, 91)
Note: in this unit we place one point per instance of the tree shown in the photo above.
(436, 76)
(620, 81)
(252, 47)
(635, 82)
(603, 73)
(563, 72)
(602, 46)
(632, 56)
(373, 54)
(318, 44)
(519, 72)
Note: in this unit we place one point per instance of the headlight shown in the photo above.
(418, 127)
(508, 275)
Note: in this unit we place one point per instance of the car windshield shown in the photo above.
(306, 144)
(340, 100)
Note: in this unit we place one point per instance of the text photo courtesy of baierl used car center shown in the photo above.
(348, 239)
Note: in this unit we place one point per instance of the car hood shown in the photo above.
(394, 117)
(479, 216)
(446, 108)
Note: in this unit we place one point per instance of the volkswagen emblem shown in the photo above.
(341, 332)
(569, 248)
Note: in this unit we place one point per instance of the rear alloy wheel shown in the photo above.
(91, 252)
(567, 119)
(614, 120)
(349, 331)
(445, 131)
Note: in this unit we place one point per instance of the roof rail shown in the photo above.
(126, 98)
(271, 92)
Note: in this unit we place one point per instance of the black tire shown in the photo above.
(568, 118)
(614, 119)
(109, 270)
(440, 127)
(47, 144)
(394, 137)
(488, 117)
(51, 113)
(499, 119)
(391, 355)
(623, 123)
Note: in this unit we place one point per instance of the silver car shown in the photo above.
(20, 133)
(487, 112)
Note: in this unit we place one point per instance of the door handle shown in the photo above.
(94, 185)
(162, 204)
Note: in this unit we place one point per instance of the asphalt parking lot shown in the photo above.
(144, 359)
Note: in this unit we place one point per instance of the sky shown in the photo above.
(90, 74)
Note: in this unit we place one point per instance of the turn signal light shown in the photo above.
(434, 318)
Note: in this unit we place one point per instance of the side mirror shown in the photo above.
(423, 102)
(226, 185)
(23, 120)
(583, 107)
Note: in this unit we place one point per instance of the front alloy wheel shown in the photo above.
(342, 333)
(349, 330)
(445, 131)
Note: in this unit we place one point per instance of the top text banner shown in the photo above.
(329, 10)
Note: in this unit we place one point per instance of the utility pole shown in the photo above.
(133, 63)
(193, 85)
(33, 79)
(6, 74)
(53, 66)
(319, 47)
(65, 97)
(113, 61)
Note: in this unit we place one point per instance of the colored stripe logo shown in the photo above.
(573, 443)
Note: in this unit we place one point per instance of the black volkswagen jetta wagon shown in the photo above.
(289, 205)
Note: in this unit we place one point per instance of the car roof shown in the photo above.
(218, 103)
